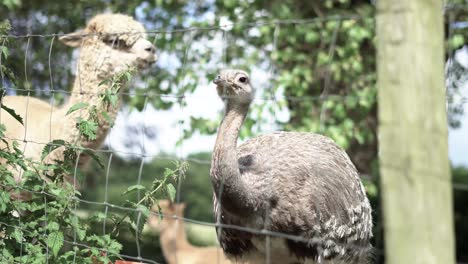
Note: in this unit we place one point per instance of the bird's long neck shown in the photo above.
(230, 189)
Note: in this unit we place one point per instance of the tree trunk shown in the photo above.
(414, 165)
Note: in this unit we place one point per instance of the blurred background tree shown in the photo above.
(326, 69)
(320, 70)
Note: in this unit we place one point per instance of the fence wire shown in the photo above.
(270, 97)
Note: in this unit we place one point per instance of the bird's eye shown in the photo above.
(242, 79)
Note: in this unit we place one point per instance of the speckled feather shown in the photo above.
(301, 184)
(315, 193)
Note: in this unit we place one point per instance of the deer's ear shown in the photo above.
(73, 39)
(181, 207)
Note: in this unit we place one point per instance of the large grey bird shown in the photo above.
(300, 184)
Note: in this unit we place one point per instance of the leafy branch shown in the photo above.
(5, 27)
(88, 126)
(47, 220)
(47, 215)
(150, 197)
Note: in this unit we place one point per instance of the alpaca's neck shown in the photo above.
(86, 89)
(173, 240)
(232, 192)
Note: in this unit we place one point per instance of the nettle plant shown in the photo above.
(88, 126)
(136, 220)
(45, 227)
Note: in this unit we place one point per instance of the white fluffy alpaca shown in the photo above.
(110, 45)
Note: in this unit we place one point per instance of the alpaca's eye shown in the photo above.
(110, 41)
(242, 79)
(114, 43)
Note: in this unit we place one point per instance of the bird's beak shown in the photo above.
(217, 80)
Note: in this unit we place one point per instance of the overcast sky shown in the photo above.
(458, 138)
(458, 142)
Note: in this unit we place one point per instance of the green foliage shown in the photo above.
(326, 67)
(334, 55)
(326, 70)
(76, 107)
(159, 188)
(51, 146)
(88, 128)
(88, 124)
(194, 189)
(12, 113)
(42, 228)
(37, 220)
(456, 75)
(5, 27)
(38, 223)
(11, 4)
(111, 95)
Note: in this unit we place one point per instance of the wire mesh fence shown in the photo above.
(269, 110)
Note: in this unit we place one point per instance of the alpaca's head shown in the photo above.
(110, 44)
(234, 85)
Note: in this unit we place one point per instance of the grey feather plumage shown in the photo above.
(302, 184)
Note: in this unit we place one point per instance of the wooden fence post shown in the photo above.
(414, 165)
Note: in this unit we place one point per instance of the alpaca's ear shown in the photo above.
(73, 39)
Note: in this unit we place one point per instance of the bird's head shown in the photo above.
(234, 85)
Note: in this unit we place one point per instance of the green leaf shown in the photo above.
(2, 131)
(12, 4)
(98, 217)
(51, 146)
(145, 212)
(108, 118)
(55, 242)
(56, 192)
(53, 226)
(81, 233)
(77, 106)
(168, 172)
(312, 37)
(457, 41)
(95, 157)
(106, 81)
(171, 191)
(128, 75)
(5, 52)
(111, 97)
(13, 113)
(114, 247)
(134, 188)
(88, 129)
(4, 200)
(18, 235)
(7, 256)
